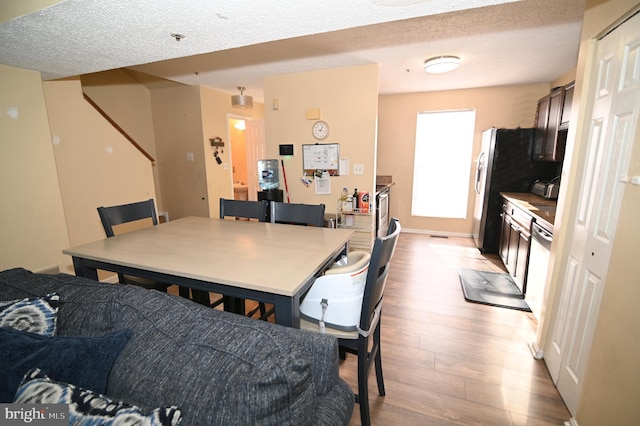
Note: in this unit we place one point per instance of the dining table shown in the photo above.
(266, 262)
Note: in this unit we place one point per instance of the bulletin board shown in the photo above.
(321, 157)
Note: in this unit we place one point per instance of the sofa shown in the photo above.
(213, 367)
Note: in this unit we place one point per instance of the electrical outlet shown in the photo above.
(358, 169)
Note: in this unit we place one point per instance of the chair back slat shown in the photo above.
(383, 249)
(244, 209)
(125, 213)
(298, 214)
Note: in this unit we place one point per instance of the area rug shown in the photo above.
(492, 288)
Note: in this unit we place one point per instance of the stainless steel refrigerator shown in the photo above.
(505, 164)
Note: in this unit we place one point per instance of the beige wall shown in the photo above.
(216, 110)
(565, 78)
(96, 165)
(506, 106)
(178, 129)
(185, 118)
(611, 386)
(58, 163)
(32, 230)
(126, 102)
(348, 100)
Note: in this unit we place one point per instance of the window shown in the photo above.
(442, 163)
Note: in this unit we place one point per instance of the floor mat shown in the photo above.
(492, 288)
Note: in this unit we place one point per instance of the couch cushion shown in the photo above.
(89, 408)
(224, 368)
(84, 361)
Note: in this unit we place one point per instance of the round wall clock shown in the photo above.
(320, 130)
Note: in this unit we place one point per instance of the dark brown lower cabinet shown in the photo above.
(515, 242)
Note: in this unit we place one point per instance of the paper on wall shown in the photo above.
(344, 166)
(323, 184)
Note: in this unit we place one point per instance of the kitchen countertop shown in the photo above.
(383, 182)
(382, 187)
(542, 210)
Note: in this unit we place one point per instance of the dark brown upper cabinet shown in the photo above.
(549, 142)
(566, 106)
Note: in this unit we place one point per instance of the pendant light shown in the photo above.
(241, 100)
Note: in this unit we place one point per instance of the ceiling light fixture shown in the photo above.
(441, 64)
(241, 100)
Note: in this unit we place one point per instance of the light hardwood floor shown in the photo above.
(447, 361)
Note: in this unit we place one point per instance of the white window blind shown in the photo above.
(442, 163)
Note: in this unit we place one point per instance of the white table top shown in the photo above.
(268, 257)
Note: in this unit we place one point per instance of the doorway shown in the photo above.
(239, 167)
(247, 146)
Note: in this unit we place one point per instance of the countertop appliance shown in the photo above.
(505, 164)
(544, 189)
(541, 239)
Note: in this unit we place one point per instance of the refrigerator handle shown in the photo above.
(478, 169)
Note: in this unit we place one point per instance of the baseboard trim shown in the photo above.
(536, 352)
(571, 422)
(436, 233)
(51, 270)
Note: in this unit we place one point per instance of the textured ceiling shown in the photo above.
(228, 44)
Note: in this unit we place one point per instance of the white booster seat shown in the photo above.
(335, 299)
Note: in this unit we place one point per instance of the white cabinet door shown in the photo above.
(615, 100)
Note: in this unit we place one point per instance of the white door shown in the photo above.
(614, 97)
(256, 150)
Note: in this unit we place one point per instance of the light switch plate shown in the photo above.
(358, 169)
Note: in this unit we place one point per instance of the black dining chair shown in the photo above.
(244, 209)
(363, 338)
(298, 214)
(143, 213)
(127, 217)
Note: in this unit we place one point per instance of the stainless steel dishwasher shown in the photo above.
(541, 239)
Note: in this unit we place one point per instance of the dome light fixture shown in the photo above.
(441, 64)
(241, 100)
